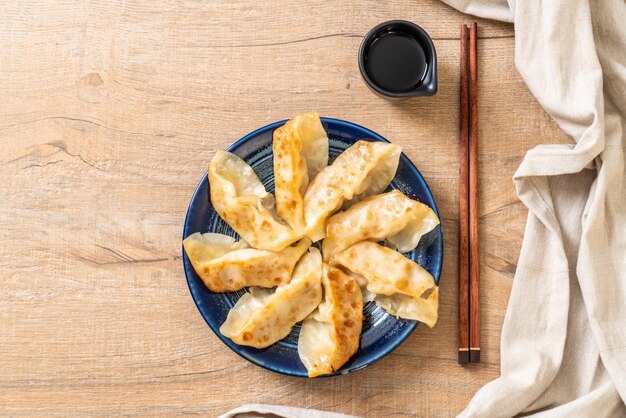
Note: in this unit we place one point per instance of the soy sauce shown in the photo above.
(396, 62)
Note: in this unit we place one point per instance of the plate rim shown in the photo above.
(234, 347)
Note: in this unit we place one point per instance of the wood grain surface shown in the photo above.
(110, 114)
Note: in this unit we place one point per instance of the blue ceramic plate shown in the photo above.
(381, 332)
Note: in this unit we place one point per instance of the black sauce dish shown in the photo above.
(397, 60)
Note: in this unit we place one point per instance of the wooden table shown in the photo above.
(110, 114)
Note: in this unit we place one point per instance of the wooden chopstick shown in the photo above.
(474, 252)
(464, 204)
(469, 248)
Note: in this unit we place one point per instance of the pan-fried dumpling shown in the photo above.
(392, 217)
(400, 285)
(262, 317)
(364, 169)
(300, 149)
(241, 200)
(423, 309)
(330, 335)
(226, 266)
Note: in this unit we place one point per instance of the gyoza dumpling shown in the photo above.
(364, 169)
(226, 266)
(263, 316)
(401, 286)
(300, 149)
(241, 200)
(330, 335)
(408, 307)
(391, 216)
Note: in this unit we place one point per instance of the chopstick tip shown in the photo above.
(474, 356)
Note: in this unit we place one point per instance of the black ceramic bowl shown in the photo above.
(425, 82)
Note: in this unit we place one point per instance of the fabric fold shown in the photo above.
(572, 55)
(274, 411)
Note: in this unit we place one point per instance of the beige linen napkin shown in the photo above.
(563, 346)
(273, 411)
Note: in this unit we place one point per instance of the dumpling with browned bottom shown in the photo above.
(262, 317)
(226, 265)
(392, 217)
(330, 335)
(399, 285)
(300, 150)
(241, 200)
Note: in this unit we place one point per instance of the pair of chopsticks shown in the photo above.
(469, 302)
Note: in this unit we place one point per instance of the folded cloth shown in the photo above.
(563, 347)
(272, 411)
